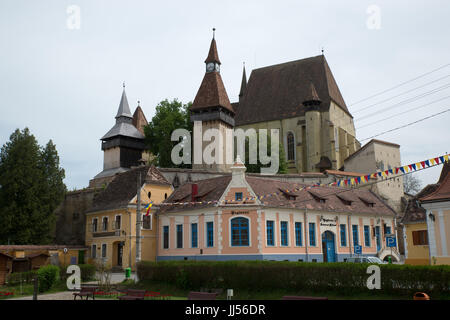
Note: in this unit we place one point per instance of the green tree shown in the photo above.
(170, 115)
(31, 186)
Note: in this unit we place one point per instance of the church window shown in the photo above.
(290, 146)
(336, 139)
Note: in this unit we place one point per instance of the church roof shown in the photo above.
(211, 93)
(278, 91)
(123, 129)
(124, 122)
(124, 108)
(139, 119)
(243, 83)
(213, 55)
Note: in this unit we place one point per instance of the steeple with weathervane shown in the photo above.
(212, 106)
(123, 144)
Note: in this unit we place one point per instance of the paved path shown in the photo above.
(68, 295)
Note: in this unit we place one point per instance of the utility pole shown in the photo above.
(138, 222)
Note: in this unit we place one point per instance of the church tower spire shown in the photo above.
(243, 84)
(123, 144)
(212, 107)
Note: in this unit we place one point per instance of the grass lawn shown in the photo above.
(17, 291)
(176, 293)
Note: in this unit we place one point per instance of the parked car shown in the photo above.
(366, 260)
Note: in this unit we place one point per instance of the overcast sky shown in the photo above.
(65, 82)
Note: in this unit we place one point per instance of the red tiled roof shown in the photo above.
(213, 55)
(344, 173)
(303, 199)
(413, 211)
(442, 193)
(211, 93)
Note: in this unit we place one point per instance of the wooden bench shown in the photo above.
(303, 298)
(85, 292)
(202, 295)
(132, 294)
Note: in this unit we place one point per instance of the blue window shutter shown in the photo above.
(194, 235)
(298, 234)
(312, 234)
(270, 235)
(210, 234)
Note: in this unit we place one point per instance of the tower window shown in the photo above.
(149, 194)
(290, 146)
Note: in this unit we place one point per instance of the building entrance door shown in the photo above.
(119, 253)
(328, 247)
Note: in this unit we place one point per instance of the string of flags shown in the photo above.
(340, 183)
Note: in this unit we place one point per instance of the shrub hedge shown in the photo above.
(47, 277)
(15, 278)
(87, 272)
(343, 278)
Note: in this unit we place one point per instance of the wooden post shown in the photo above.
(36, 285)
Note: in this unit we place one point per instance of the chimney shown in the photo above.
(194, 191)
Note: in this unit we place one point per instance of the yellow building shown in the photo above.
(437, 206)
(111, 223)
(415, 230)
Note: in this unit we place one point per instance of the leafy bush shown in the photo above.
(15, 278)
(343, 278)
(87, 272)
(47, 276)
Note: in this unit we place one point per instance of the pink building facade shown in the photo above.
(322, 224)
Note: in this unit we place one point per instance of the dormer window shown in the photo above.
(367, 202)
(238, 196)
(289, 195)
(345, 200)
(317, 197)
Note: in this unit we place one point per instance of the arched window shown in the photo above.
(290, 146)
(239, 232)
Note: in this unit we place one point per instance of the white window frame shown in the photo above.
(287, 146)
(115, 217)
(96, 226)
(205, 231)
(107, 222)
(93, 251)
(274, 230)
(287, 230)
(230, 240)
(168, 236)
(151, 222)
(106, 250)
(190, 235)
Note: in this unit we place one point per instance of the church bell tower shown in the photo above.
(212, 107)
